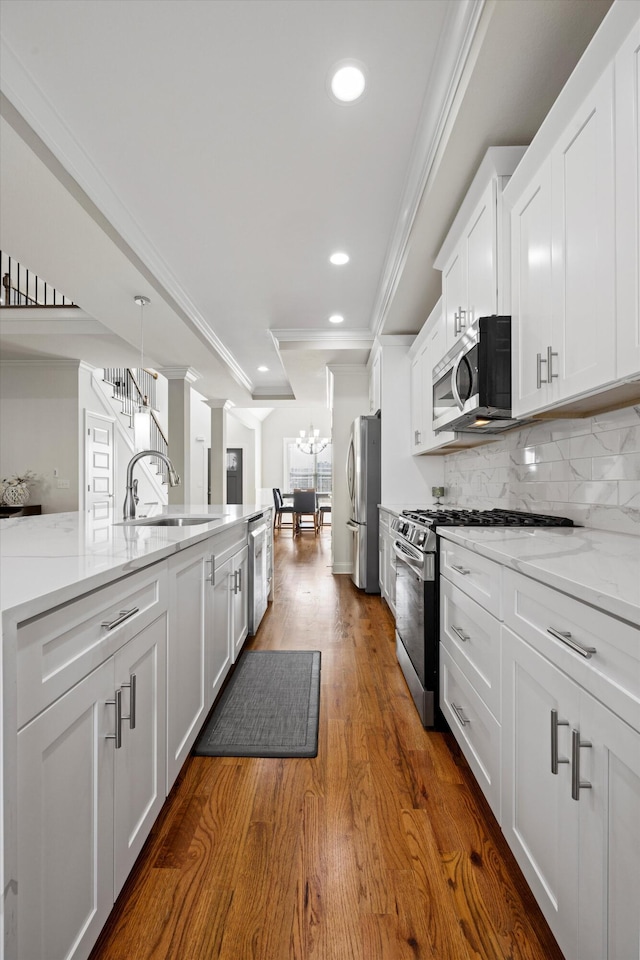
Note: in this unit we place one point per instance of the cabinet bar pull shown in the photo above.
(459, 714)
(212, 576)
(462, 313)
(576, 783)
(117, 736)
(550, 355)
(124, 615)
(564, 636)
(462, 570)
(460, 633)
(240, 580)
(539, 362)
(131, 686)
(555, 723)
(456, 330)
(236, 586)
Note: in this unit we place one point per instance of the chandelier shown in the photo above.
(310, 441)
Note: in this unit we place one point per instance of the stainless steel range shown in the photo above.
(417, 597)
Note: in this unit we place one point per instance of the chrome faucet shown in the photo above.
(129, 509)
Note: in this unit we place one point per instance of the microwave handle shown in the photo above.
(454, 380)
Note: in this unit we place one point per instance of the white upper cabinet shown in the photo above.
(428, 348)
(627, 100)
(575, 214)
(470, 258)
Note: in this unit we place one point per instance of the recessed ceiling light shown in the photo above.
(347, 81)
(263, 369)
(339, 259)
(336, 318)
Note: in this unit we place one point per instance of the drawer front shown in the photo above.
(611, 673)
(475, 575)
(472, 636)
(59, 648)
(474, 727)
(225, 544)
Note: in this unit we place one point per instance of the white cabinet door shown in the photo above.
(454, 295)
(65, 823)
(375, 384)
(481, 254)
(627, 98)
(609, 816)
(531, 293)
(189, 602)
(583, 259)
(240, 595)
(140, 763)
(220, 645)
(539, 818)
(417, 403)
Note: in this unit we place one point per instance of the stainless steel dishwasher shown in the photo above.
(258, 571)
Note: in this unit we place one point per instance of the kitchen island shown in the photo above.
(116, 640)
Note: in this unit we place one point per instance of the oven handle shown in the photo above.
(416, 564)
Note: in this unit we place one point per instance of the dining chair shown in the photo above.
(305, 504)
(280, 508)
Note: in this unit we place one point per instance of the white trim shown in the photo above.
(324, 337)
(342, 568)
(35, 107)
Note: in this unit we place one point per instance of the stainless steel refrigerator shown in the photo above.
(363, 483)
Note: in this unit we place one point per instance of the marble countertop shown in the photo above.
(601, 568)
(50, 559)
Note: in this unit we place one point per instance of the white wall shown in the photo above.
(39, 429)
(200, 441)
(242, 436)
(288, 422)
(350, 400)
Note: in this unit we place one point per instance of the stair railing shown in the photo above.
(135, 390)
(23, 288)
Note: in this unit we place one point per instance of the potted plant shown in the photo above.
(15, 489)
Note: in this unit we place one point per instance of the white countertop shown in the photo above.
(50, 559)
(601, 568)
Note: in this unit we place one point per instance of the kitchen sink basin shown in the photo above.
(174, 521)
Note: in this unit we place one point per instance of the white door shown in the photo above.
(627, 97)
(100, 466)
(609, 815)
(65, 827)
(186, 699)
(481, 244)
(539, 818)
(531, 293)
(140, 763)
(240, 600)
(583, 204)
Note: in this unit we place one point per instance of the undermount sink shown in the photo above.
(174, 521)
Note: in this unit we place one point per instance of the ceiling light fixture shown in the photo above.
(142, 415)
(347, 82)
(336, 318)
(263, 369)
(339, 259)
(311, 442)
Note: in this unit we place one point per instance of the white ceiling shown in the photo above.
(188, 150)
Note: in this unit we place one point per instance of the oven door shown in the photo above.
(415, 582)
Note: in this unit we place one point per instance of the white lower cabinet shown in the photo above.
(190, 619)
(387, 561)
(84, 795)
(240, 600)
(570, 805)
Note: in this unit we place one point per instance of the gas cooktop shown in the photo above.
(446, 517)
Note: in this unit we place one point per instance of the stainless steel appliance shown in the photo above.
(259, 573)
(363, 484)
(417, 597)
(472, 383)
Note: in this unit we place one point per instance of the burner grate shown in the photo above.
(485, 518)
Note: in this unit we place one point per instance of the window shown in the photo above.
(303, 471)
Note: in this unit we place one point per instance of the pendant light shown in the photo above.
(142, 413)
(310, 441)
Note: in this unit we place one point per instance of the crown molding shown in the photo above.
(455, 49)
(20, 89)
(180, 373)
(321, 336)
(219, 404)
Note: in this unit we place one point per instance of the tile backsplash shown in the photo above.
(585, 469)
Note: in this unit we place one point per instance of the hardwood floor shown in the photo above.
(381, 848)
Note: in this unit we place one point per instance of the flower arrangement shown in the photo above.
(15, 489)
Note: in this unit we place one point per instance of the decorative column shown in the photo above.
(180, 380)
(218, 464)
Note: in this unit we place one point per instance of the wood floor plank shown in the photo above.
(380, 848)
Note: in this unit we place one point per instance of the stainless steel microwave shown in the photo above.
(472, 383)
